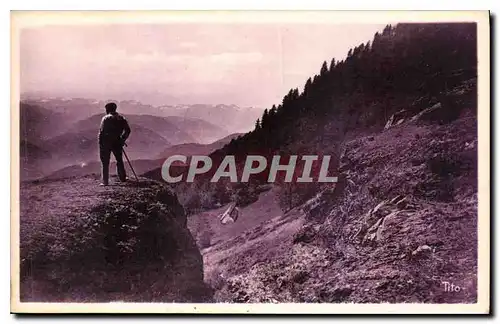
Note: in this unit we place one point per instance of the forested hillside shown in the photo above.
(399, 114)
(405, 66)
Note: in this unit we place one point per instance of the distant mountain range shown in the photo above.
(189, 149)
(38, 123)
(80, 145)
(175, 130)
(143, 165)
(59, 137)
(233, 118)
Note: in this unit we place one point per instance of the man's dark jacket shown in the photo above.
(114, 130)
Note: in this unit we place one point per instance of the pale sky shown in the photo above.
(242, 64)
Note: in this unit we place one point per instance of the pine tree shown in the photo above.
(307, 86)
(265, 119)
(257, 124)
(324, 69)
(272, 112)
(332, 64)
(367, 47)
(387, 30)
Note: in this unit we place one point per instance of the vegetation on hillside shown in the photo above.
(407, 67)
(402, 71)
(400, 65)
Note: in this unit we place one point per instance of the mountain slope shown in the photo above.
(37, 123)
(81, 146)
(83, 243)
(400, 223)
(189, 149)
(399, 68)
(185, 124)
(176, 130)
(202, 131)
(140, 166)
(30, 156)
(30, 152)
(401, 124)
(159, 125)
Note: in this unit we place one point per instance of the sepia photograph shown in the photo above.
(250, 162)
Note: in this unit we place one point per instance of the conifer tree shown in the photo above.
(324, 69)
(257, 124)
(265, 119)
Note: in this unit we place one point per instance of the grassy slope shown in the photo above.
(402, 222)
(82, 242)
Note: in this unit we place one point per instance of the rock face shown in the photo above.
(83, 243)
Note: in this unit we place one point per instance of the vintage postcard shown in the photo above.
(250, 162)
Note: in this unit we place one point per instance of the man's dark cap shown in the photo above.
(110, 107)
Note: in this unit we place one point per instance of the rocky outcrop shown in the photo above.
(85, 243)
(407, 222)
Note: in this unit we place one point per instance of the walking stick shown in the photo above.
(130, 164)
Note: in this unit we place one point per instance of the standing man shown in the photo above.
(113, 133)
